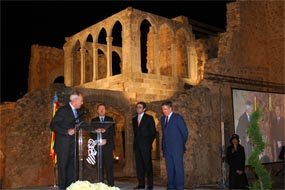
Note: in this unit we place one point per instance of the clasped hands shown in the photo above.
(239, 172)
(101, 130)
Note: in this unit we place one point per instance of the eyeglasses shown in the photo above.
(139, 107)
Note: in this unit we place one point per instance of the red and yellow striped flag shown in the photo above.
(52, 151)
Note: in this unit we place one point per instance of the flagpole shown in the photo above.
(52, 151)
(55, 176)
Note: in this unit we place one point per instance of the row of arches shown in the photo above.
(162, 51)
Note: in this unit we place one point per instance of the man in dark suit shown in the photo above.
(277, 132)
(63, 123)
(144, 134)
(242, 126)
(108, 146)
(174, 137)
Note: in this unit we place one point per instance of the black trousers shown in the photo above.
(144, 166)
(108, 165)
(65, 165)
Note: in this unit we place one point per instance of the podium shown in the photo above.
(97, 127)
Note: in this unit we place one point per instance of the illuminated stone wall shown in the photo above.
(252, 48)
(46, 65)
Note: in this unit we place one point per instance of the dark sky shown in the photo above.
(24, 23)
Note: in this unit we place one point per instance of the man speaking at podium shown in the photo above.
(108, 143)
(63, 123)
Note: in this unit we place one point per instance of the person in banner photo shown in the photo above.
(243, 124)
(144, 134)
(63, 124)
(174, 137)
(277, 132)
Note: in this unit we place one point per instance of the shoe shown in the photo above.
(139, 187)
(149, 188)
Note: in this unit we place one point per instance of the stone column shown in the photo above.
(126, 44)
(156, 54)
(109, 40)
(82, 64)
(188, 60)
(68, 65)
(95, 61)
(193, 63)
(173, 57)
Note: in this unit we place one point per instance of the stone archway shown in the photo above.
(120, 109)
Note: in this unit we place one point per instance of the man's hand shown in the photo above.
(104, 141)
(239, 172)
(102, 130)
(71, 131)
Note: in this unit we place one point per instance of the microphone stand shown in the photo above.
(98, 127)
(80, 146)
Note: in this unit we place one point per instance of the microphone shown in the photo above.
(85, 111)
(82, 112)
(81, 124)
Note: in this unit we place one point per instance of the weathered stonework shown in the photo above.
(46, 64)
(193, 73)
(253, 45)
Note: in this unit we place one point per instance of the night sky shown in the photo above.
(24, 23)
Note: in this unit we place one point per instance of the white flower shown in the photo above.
(86, 185)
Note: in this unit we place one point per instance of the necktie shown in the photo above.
(166, 122)
(75, 115)
(139, 119)
(101, 119)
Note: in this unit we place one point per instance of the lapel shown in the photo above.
(70, 111)
(170, 120)
(164, 122)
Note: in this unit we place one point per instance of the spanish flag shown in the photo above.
(52, 151)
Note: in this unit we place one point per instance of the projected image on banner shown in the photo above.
(271, 122)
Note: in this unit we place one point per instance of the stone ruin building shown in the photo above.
(138, 56)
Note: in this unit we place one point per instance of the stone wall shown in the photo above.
(46, 64)
(252, 48)
(27, 139)
(6, 118)
(26, 143)
(253, 45)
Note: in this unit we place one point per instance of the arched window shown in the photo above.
(59, 80)
(144, 28)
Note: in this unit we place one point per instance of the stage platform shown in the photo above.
(130, 183)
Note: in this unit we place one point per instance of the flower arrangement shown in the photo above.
(86, 185)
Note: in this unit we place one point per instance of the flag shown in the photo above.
(52, 151)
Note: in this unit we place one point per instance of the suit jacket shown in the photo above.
(108, 135)
(278, 129)
(63, 120)
(144, 134)
(174, 135)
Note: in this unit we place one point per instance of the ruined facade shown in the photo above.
(137, 56)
